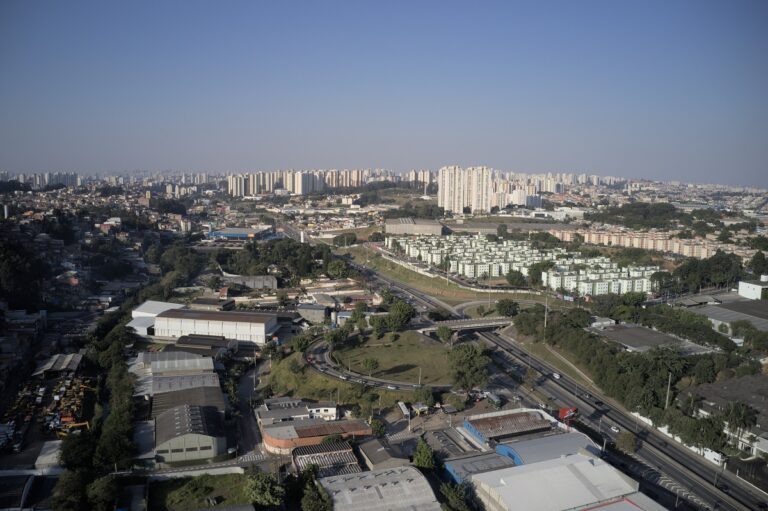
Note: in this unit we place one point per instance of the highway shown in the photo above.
(417, 296)
(694, 476)
(691, 472)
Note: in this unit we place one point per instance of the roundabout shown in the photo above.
(405, 361)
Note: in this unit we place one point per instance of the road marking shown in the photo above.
(251, 457)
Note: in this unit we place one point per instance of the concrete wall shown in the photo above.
(241, 331)
(191, 446)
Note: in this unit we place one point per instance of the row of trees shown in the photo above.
(695, 274)
(89, 457)
(677, 321)
(294, 260)
(637, 380)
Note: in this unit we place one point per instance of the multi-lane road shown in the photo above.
(696, 479)
(694, 476)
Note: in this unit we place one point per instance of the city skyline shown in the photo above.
(656, 91)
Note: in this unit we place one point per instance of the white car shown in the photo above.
(556, 376)
(615, 429)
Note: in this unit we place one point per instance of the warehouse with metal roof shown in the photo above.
(209, 397)
(242, 326)
(59, 363)
(392, 489)
(495, 426)
(580, 481)
(283, 437)
(332, 459)
(189, 432)
(753, 311)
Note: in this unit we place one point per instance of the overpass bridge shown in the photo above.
(467, 324)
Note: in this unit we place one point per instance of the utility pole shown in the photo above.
(546, 311)
(419, 375)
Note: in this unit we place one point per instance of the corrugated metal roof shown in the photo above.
(163, 384)
(552, 446)
(720, 313)
(499, 425)
(182, 365)
(186, 419)
(395, 489)
(199, 396)
(224, 316)
(581, 481)
(155, 307)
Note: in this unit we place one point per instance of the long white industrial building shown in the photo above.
(242, 326)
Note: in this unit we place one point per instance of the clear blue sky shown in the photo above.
(669, 89)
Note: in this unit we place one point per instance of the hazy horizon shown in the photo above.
(658, 90)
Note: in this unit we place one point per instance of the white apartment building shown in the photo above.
(460, 188)
(476, 257)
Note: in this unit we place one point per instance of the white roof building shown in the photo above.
(152, 308)
(581, 481)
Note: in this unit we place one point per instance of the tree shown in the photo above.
(424, 457)
(345, 240)
(468, 366)
(370, 365)
(758, 263)
(400, 313)
(77, 451)
(332, 439)
(337, 269)
(424, 395)
(378, 325)
(263, 489)
(739, 417)
(376, 237)
(102, 493)
(516, 278)
(457, 401)
(282, 298)
(69, 494)
(507, 307)
(213, 282)
(535, 271)
(315, 498)
(378, 428)
(626, 442)
(444, 333)
(456, 496)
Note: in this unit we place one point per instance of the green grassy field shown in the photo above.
(182, 495)
(437, 287)
(400, 355)
(292, 377)
(474, 311)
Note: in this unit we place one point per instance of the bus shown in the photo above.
(404, 409)
(494, 400)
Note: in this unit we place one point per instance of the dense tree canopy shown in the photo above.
(516, 279)
(468, 366)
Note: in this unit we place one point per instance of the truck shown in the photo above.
(567, 414)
